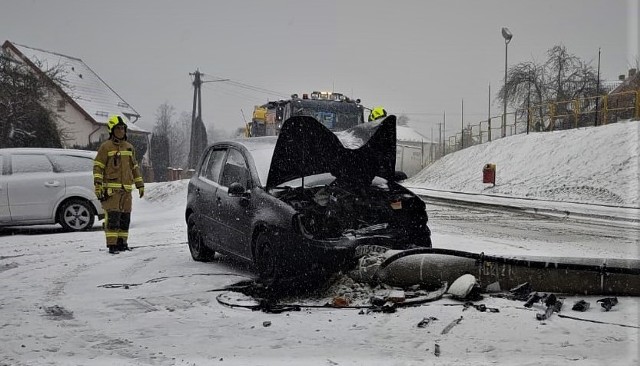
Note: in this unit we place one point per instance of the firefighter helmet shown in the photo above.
(115, 120)
(376, 113)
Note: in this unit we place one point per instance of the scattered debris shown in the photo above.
(451, 325)
(58, 312)
(396, 296)
(266, 323)
(340, 301)
(436, 352)
(480, 307)
(389, 307)
(426, 321)
(581, 306)
(521, 292)
(553, 304)
(464, 287)
(608, 302)
(533, 298)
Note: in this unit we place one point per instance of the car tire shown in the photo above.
(266, 259)
(199, 250)
(76, 215)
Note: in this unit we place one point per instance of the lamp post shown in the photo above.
(507, 38)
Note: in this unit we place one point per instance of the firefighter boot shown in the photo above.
(113, 249)
(122, 245)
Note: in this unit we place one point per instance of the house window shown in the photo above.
(61, 105)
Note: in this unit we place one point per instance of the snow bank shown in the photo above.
(598, 165)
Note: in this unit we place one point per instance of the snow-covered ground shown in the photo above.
(587, 165)
(65, 301)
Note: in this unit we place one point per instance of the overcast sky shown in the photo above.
(419, 58)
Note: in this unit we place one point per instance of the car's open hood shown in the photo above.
(305, 147)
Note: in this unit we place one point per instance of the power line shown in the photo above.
(247, 86)
(236, 93)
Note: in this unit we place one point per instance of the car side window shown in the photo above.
(68, 163)
(213, 165)
(235, 169)
(30, 163)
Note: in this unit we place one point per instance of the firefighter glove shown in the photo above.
(99, 191)
(141, 191)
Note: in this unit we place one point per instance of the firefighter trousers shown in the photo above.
(117, 208)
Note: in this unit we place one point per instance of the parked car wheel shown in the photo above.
(199, 251)
(76, 215)
(266, 258)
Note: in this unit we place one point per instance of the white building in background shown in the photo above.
(84, 103)
(414, 151)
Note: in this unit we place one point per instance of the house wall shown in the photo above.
(413, 156)
(75, 128)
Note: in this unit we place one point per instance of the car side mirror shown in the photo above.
(399, 175)
(237, 190)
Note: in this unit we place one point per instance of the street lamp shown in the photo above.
(507, 38)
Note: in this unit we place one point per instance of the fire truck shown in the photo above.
(334, 110)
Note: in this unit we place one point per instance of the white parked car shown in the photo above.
(48, 186)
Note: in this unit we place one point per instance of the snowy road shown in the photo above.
(516, 231)
(65, 301)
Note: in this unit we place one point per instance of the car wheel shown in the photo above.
(266, 259)
(76, 215)
(199, 250)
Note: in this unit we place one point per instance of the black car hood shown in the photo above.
(306, 147)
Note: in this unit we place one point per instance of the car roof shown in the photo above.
(260, 150)
(50, 151)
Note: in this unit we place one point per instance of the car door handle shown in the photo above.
(54, 183)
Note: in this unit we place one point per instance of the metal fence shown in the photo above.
(583, 112)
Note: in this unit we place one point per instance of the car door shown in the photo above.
(206, 187)
(5, 214)
(235, 212)
(33, 188)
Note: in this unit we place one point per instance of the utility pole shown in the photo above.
(431, 147)
(598, 89)
(489, 116)
(462, 130)
(440, 140)
(444, 131)
(199, 139)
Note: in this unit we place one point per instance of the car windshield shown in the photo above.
(262, 159)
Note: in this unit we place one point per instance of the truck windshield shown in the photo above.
(336, 116)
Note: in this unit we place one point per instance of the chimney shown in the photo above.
(632, 72)
(621, 77)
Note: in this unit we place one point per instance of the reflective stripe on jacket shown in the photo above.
(116, 167)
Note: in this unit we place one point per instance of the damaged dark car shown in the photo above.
(304, 200)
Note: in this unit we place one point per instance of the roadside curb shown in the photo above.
(624, 214)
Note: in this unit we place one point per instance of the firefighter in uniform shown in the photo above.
(115, 172)
(377, 113)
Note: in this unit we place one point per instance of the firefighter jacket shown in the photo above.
(116, 168)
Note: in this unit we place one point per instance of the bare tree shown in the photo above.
(561, 78)
(179, 136)
(160, 153)
(25, 116)
(402, 120)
